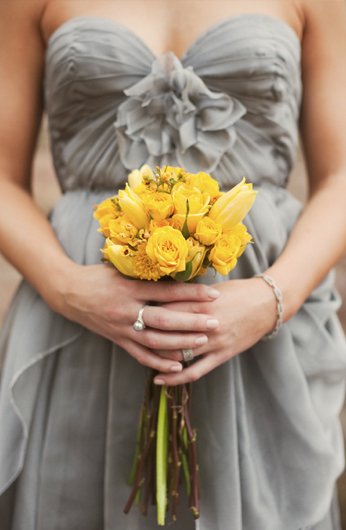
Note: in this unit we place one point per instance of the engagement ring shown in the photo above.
(187, 355)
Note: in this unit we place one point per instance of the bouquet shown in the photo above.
(169, 223)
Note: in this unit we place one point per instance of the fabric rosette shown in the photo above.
(171, 115)
(171, 223)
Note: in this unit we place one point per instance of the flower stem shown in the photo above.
(161, 458)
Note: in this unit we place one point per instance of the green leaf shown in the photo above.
(183, 276)
(185, 230)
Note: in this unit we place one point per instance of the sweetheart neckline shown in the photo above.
(210, 30)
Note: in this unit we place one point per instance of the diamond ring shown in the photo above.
(139, 325)
(187, 355)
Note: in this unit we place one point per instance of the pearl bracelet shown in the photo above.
(279, 304)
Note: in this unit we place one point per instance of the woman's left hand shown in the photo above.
(246, 311)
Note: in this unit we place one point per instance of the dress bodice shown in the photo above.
(229, 105)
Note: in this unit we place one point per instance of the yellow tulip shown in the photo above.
(133, 207)
(136, 177)
(231, 208)
(105, 212)
(122, 231)
(196, 256)
(121, 256)
(167, 247)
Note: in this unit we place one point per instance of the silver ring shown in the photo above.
(139, 325)
(187, 355)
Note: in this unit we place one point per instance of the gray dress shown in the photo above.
(270, 442)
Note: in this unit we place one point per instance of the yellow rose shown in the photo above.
(196, 201)
(208, 231)
(167, 247)
(133, 207)
(204, 182)
(121, 230)
(121, 256)
(228, 248)
(231, 208)
(158, 204)
(137, 176)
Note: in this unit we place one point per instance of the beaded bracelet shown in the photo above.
(279, 304)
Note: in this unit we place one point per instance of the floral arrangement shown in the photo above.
(173, 223)
(169, 223)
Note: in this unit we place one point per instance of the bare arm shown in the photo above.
(21, 61)
(319, 237)
(85, 294)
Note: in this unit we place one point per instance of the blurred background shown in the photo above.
(46, 191)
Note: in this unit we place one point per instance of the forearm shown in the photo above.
(28, 242)
(316, 243)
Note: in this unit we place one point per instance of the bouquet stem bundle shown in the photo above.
(166, 452)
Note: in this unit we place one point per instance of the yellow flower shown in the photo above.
(167, 247)
(158, 204)
(105, 212)
(172, 174)
(137, 176)
(204, 182)
(196, 201)
(196, 256)
(208, 231)
(133, 207)
(231, 208)
(121, 256)
(144, 267)
(121, 230)
(228, 248)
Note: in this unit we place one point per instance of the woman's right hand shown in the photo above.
(99, 298)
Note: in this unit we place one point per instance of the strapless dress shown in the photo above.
(270, 441)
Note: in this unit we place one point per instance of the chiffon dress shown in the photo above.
(270, 445)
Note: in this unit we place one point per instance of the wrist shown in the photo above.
(58, 284)
(290, 294)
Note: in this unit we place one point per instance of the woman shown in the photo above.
(266, 410)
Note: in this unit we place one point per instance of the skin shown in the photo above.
(237, 313)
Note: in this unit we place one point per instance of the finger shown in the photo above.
(158, 340)
(176, 291)
(167, 320)
(177, 355)
(192, 373)
(145, 357)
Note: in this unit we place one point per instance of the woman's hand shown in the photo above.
(102, 300)
(246, 311)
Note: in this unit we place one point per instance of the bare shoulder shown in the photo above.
(324, 76)
(23, 15)
(22, 60)
(324, 17)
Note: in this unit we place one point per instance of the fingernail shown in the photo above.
(159, 382)
(212, 323)
(176, 368)
(213, 293)
(201, 340)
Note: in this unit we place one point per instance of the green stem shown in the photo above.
(161, 458)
